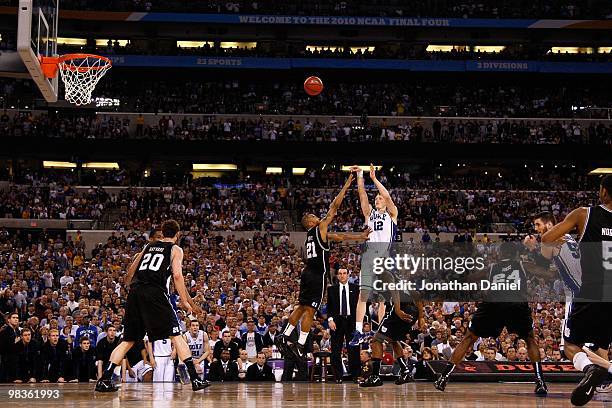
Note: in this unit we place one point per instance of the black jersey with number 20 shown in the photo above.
(154, 267)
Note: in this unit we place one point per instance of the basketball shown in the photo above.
(313, 85)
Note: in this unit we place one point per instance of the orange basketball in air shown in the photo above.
(313, 85)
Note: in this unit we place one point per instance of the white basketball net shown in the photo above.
(80, 76)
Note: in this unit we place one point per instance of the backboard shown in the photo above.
(37, 38)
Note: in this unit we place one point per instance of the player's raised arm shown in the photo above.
(333, 208)
(347, 236)
(179, 282)
(575, 219)
(539, 271)
(391, 208)
(366, 207)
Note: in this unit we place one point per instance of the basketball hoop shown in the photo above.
(79, 72)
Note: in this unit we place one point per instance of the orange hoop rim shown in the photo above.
(57, 62)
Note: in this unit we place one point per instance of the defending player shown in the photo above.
(491, 317)
(148, 307)
(382, 220)
(564, 253)
(590, 315)
(393, 328)
(314, 276)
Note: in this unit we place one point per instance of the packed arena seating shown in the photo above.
(392, 8)
(418, 97)
(41, 125)
(235, 280)
(434, 204)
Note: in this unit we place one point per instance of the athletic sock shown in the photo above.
(538, 370)
(402, 364)
(376, 366)
(288, 330)
(302, 339)
(359, 327)
(448, 370)
(193, 374)
(581, 360)
(108, 373)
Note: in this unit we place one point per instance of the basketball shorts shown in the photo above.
(589, 323)
(140, 370)
(164, 369)
(149, 311)
(392, 328)
(312, 288)
(491, 318)
(367, 276)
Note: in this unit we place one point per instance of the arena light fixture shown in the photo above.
(71, 41)
(193, 44)
(488, 48)
(571, 50)
(249, 45)
(364, 167)
(601, 170)
(274, 170)
(604, 50)
(47, 164)
(103, 42)
(101, 165)
(445, 48)
(214, 167)
(298, 171)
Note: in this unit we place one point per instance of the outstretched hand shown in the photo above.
(196, 309)
(531, 242)
(372, 172)
(186, 307)
(365, 234)
(349, 180)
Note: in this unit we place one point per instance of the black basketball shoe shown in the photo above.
(593, 377)
(106, 386)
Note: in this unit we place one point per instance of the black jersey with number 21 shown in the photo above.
(317, 252)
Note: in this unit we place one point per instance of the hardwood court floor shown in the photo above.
(250, 395)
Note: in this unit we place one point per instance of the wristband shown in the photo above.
(610, 369)
(360, 174)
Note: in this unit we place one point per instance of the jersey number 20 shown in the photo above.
(151, 262)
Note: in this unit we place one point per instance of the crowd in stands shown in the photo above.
(436, 200)
(423, 98)
(414, 98)
(60, 307)
(571, 9)
(330, 129)
(208, 208)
